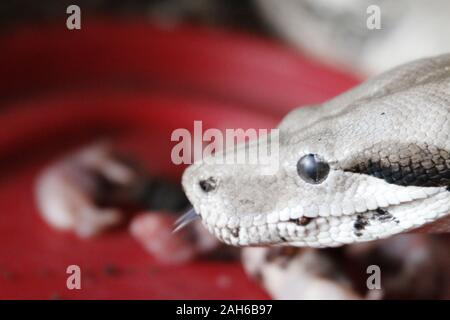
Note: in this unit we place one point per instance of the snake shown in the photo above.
(368, 164)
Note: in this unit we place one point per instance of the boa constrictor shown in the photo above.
(368, 164)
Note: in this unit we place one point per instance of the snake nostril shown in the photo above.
(208, 185)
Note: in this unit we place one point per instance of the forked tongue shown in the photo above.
(185, 219)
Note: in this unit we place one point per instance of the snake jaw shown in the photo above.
(329, 231)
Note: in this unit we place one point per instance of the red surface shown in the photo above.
(133, 83)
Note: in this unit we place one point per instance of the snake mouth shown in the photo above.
(312, 232)
(331, 231)
(237, 228)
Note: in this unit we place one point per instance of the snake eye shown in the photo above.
(312, 168)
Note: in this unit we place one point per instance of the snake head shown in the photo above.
(366, 165)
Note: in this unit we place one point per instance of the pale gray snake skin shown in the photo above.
(379, 165)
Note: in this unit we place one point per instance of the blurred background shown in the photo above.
(75, 103)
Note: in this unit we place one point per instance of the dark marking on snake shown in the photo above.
(283, 239)
(379, 215)
(384, 216)
(235, 232)
(302, 221)
(360, 224)
(420, 165)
